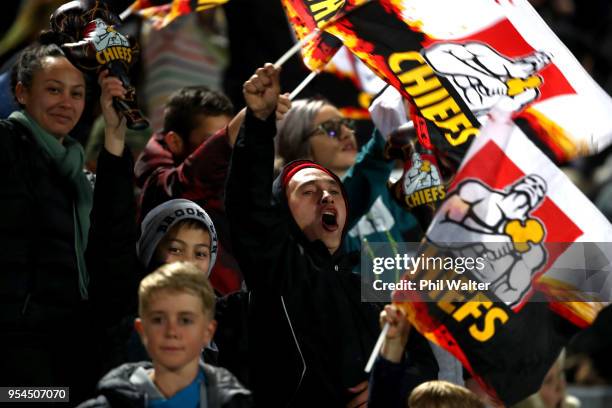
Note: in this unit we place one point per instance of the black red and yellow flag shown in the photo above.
(307, 16)
(164, 14)
(538, 252)
(454, 61)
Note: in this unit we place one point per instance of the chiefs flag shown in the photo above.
(355, 83)
(526, 225)
(164, 14)
(307, 16)
(455, 60)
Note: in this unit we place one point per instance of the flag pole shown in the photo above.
(302, 85)
(126, 13)
(312, 35)
(377, 347)
(296, 47)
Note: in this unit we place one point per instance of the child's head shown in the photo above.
(176, 305)
(443, 394)
(178, 230)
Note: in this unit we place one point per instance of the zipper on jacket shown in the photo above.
(297, 345)
(25, 304)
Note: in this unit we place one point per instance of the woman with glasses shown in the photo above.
(316, 130)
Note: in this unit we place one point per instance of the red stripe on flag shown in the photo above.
(183, 6)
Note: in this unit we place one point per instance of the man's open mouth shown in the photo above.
(329, 220)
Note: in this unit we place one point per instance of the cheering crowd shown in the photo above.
(213, 260)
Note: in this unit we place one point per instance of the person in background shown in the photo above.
(58, 233)
(553, 392)
(189, 159)
(181, 231)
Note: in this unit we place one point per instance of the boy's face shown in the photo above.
(174, 329)
(317, 205)
(185, 243)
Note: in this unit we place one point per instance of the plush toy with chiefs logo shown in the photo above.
(421, 188)
(92, 43)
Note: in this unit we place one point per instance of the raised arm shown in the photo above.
(258, 228)
(202, 175)
(405, 361)
(111, 250)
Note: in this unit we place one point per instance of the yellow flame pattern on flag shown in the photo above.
(558, 135)
(165, 14)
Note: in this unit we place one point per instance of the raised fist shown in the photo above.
(262, 90)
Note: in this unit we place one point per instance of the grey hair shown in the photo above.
(292, 132)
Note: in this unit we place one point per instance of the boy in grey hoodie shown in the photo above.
(176, 307)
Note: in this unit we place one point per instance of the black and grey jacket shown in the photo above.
(123, 387)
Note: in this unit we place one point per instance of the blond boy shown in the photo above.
(176, 308)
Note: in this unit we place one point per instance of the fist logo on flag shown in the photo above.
(546, 252)
(481, 74)
(455, 60)
(511, 237)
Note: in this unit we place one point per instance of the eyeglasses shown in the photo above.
(333, 128)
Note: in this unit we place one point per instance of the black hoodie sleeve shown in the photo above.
(111, 256)
(111, 252)
(259, 230)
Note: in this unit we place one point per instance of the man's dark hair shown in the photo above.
(184, 105)
(29, 62)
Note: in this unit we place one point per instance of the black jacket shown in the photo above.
(392, 383)
(37, 229)
(37, 232)
(40, 303)
(116, 390)
(310, 335)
